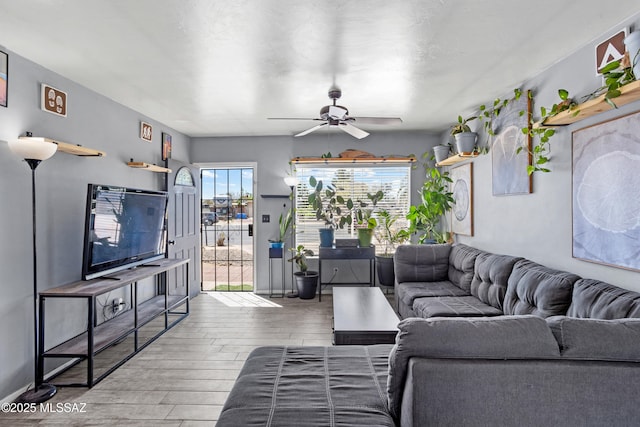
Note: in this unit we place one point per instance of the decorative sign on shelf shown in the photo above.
(146, 131)
(610, 50)
(53, 100)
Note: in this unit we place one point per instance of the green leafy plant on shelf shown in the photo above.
(541, 150)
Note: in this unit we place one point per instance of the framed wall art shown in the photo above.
(53, 100)
(4, 78)
(508, 167)
(166, 146)
(146, 132)
(606, 193)
(462, 189)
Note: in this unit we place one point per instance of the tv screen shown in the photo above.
(124, 227)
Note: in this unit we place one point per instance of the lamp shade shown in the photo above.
(291, 180)
(33, 148)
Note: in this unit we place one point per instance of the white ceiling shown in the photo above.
(221, 67)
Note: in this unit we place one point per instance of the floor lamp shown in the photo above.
(34, 151)
(292, 182)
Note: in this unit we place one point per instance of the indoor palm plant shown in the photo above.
(284, 224)
(306, 280)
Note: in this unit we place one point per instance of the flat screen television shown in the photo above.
(124, 227)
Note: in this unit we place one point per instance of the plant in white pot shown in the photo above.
(632, 43)
(441, 152)
(306, 281)
(465, 138)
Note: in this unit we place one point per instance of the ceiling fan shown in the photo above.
(338, 116)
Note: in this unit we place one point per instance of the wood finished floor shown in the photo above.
(183, 378)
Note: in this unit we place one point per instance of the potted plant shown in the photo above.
(436, 200)
(389, 236)
(306, 281)
(364, 217)
(284, 223)
(328, 206)
(465, 138)
(441, 152)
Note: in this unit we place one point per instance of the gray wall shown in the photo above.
(272, 155)
(538, 226)
(94, 121)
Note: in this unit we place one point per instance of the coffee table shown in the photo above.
(363, 316)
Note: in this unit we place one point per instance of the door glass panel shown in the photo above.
(227, 216)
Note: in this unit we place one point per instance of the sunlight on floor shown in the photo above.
(242, 299)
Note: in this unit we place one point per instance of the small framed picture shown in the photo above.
(4, 78)
(166, 146)
(53, 100)
(146, 131)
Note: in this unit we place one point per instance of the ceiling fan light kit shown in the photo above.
(338, 116)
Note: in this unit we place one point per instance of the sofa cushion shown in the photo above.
(504, 337)
(407, 292)
(595, 339)
(490, 278)
(467, 306)
(539, 290)
(462, 259)
(600, 300)
(421, 263)
(310, 386)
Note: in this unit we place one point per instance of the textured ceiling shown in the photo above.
(220, 68)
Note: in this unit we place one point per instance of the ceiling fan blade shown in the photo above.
(303, 133)
(291, 118)
(337, 112)
(353, 131)
(377, 120)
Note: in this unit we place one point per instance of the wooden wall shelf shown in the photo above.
(457, 158)
(629, 93)
(375, 160)
(76, 150)
(148, 166)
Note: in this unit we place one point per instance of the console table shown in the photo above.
(346, 253)
(99, 337)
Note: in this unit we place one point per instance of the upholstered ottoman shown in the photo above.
(311, 386)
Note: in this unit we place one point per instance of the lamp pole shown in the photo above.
(34, 151)
(292, 182)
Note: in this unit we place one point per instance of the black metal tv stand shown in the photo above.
(99, 337)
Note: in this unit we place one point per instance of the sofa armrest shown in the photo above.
(507, 337)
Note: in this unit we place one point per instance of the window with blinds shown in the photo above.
(351, 182)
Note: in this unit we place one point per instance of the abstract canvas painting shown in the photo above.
(462, 189)
(509, 168)
(606, 193)
(4, 78)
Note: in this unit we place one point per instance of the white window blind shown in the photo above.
(351, 182)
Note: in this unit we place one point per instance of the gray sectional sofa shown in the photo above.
(487, 339)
